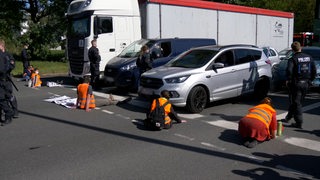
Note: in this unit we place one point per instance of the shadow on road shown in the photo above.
(303, 163)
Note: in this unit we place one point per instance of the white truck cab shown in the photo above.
(108, 21)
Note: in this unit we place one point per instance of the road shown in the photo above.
(49, 141)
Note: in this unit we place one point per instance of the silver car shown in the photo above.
(210, 73)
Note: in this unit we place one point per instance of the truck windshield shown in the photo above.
(193, 59)
(79, 27)
(134, 48)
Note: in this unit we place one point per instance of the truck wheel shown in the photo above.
(261, 88)
(197, 99)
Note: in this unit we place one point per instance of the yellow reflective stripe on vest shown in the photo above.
(263, 114)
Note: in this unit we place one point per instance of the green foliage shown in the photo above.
(45, 68)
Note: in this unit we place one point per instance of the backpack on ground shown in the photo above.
(157, 116)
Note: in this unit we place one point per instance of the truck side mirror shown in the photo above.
(96, 26)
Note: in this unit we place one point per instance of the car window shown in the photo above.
(247, 55)
(166, 48)
(193, 59)
(225, 58)
(272, 52)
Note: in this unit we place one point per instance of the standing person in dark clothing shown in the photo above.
(144, 62)
(5, 65)
(94, 57)
(25, 57)
(301, 70)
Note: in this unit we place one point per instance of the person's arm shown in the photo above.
(88, 102)
(173, 115)
(313, 71)
(273, 126)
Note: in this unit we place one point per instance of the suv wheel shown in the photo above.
(197, 99)
(261, 88)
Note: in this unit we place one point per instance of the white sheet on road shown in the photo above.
(65, 101)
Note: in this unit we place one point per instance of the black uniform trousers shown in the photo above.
(297, 93)
(4, 103)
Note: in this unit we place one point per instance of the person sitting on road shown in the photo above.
(260, 124)
(85, 99)
(27, 73)
(35, 78)
(170, 114)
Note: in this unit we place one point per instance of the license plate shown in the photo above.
(146, 91)
(109, 79)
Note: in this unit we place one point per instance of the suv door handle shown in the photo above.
(112, 49)
(208, 76)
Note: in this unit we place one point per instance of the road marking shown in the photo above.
(109, 112)
(302, 142)
(122, 116)
(137, 122)
(224, 124)
(213, 146)
(191, 116)
(293, 171)
(304, 109)
(106, 95)
(250, 157)
(184, 137)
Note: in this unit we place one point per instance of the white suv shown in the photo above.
(210, 73)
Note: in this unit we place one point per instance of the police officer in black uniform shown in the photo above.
(301, 70)
(94, 57)
(5, 68)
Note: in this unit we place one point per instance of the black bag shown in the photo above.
(157, 116)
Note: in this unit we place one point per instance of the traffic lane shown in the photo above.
(183, 134)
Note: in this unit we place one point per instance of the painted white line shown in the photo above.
(137, 122)
(302, 142)
(224, 124)
(307, 176)
(311, 106)
(184, 137)
(250, 157)
(190, 116)
(213, 146)
(97, 108)
(122, 116)
(106, 111)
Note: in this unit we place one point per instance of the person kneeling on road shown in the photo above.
(260, 124)
(161, 113)
(85, 99)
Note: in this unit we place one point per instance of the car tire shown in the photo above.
(261, 88)
(197, 99)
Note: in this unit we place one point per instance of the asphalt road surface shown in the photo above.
(50, 141)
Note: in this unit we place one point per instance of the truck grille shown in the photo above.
(76, 65)
(153, 83)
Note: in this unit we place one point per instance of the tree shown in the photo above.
(45, 19)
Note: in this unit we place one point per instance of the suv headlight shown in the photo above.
(128, 67)
(177, 79)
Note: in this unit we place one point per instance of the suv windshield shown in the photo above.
(193, 59)
(134, 48)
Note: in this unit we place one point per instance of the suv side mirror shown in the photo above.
(217, 65)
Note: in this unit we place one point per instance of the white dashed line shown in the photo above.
(213, 146)
(184, 137)
(224, 124)
(109, 112)
(250, 157)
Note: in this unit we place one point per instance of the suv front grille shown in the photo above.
(153, 83)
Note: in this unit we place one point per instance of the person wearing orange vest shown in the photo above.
(85, 99)
(260, 124)
(35, 78)
(170, 114)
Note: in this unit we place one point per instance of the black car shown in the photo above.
(122, 72)
(279, 70)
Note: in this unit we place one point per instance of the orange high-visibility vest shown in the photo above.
(36, 81)
(167, 108)
(262, 112)
(82, 96)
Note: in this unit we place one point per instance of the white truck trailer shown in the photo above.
(117, 23)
